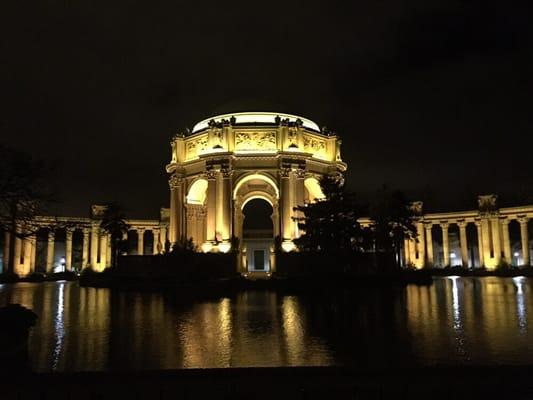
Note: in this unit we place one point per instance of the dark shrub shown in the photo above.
(9, 278)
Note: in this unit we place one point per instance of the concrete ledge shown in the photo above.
(277, 383)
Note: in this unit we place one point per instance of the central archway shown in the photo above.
(256, 192)
(257, 236)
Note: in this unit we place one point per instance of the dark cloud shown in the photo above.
(432, 97)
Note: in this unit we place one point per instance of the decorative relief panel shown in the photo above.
(193, 148)
(255, 141)
(315, 146)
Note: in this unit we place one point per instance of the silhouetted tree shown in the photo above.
(23, 196)
(183, 246)
(330, 225)
(114, 223)
(392, 218)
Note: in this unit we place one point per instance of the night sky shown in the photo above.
(431, 97)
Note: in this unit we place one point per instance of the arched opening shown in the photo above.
(258, 234)
(313, 190)
(197, 192)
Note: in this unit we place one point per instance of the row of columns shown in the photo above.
(493, 239)
(96, 249)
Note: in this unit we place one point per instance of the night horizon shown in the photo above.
(299, 200)
(431, 100)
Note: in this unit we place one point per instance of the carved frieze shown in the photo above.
(194, 147)
(255, 141)
(314, 146)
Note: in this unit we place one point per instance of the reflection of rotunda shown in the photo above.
(228, 161)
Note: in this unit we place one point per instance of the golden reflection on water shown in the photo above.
(456, 320)
(485, 317)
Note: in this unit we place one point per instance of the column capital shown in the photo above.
(427, 224)
(227, 172)
(284, 172)
(505, 221)
(462, 223)
(211, 174)
(51, 235)
(175, 181)
(444, 224)
(140, 229)
(522, 219)
(299, 173)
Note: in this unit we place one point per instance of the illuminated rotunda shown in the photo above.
(227, 161)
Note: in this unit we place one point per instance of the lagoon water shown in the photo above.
(458, 321)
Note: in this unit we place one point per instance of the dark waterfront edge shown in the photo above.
(440, 382)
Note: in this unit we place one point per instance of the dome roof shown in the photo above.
(255, 117)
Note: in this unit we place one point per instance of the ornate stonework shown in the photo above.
(315, 146)
(174, 182)
(195, 147)
(255, 141)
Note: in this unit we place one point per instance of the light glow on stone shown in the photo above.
(255, 117)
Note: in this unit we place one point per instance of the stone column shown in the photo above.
(286, 205)
(50, 252)
(275, 218)
(18, 252)
(176, 208)
(429, 244)
(407, 253)
(163, 237)
(486, 235)
(33, 255)
(7, 242)
(412, 251)
(508, 256)
(445, 243)
(238, 218)
(211, 205)
(94, 246)
(496, 241)
(140, 241)
(68, 249)
(85, 249)
(480, 243)
(524, 236)
(27, 249)
(225, 228)
(108, 250)
(191, 226)
(103, 251)
(156, 245)
(464, 243)
(299, 190)
(420, 245)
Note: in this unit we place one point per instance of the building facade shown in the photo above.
(227, 161)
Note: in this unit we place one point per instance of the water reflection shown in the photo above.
(456, 320)
(520, 304)
(59, 326)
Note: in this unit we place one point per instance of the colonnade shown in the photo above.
(95, 251)
(492, 231)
